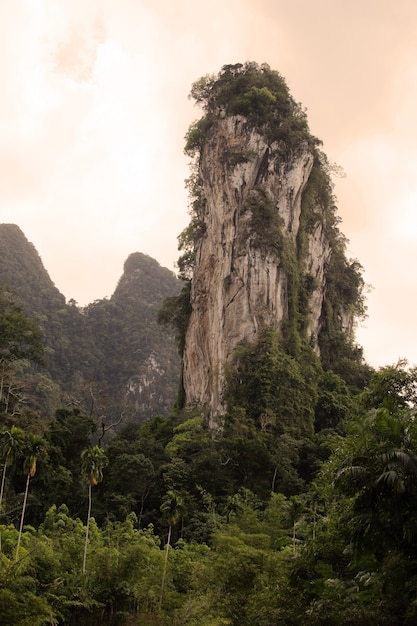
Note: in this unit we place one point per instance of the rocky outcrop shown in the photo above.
(244, 260)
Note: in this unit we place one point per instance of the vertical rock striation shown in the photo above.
(260, 237)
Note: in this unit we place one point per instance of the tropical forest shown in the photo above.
(210, 448)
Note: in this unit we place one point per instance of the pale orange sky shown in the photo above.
(94, 109)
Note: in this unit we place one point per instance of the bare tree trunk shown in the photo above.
(22, 516)
(2, 380)
(88, 526)
(314, 522)
(274, 478)
(3, 478)
(164, 573)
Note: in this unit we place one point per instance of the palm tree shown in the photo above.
(294, 510)
(34, 446)
(173, 508)
(93, 462)
(380, 472)
(11, 442)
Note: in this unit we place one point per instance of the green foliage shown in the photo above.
(370, 491)
(345, 302)
(134, 477)
(24, 608)
(175, 311)
(318, 202)
(20, 337)
(334, 402)
(33, 448)
(234, 158)
(21, 350)
(266, 224)
(266, 381)
(91, 354)
(261, 96)
(341, 551)
(253, 524)
(68, 435)
(255, 92)
(11, 445)
(94, 460)
(132, 345)
(268, 428)
(392, 387)
(195, 136)
(186, 244)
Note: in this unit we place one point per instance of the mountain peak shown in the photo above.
(263, 234)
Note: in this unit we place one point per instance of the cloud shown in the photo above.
(94, 110)
(76, 56)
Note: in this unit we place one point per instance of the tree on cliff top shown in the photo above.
(256, 92)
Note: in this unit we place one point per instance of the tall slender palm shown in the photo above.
(294, 511)
(94, 461)
(34, 447)
(173, 508)
(11, 442)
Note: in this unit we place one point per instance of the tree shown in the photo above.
(10, 444)
(34, 447)
(20, 337)
(266, 380)
(379, 470)
(131, 478)
(20, 344)
(68, 435)
(256, 92)
(93, 462)
(334, 402)
(294, 511)
(393, 387)
(172, 507)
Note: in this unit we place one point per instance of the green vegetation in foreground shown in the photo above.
(188, 529)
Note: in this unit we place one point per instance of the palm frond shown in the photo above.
(391, 479)
(402, 457)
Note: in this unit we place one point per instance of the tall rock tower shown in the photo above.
(263, 228)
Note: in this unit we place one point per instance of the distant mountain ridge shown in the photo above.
(110, 356)
(22, 269)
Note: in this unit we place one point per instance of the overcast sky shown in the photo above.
(94, 110)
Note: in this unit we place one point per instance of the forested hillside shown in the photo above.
(108, 358)
(296, 505)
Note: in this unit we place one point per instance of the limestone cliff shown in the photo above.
(262, 237)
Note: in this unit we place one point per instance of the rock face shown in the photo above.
(251, 218)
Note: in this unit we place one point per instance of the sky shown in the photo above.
(94, 108)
